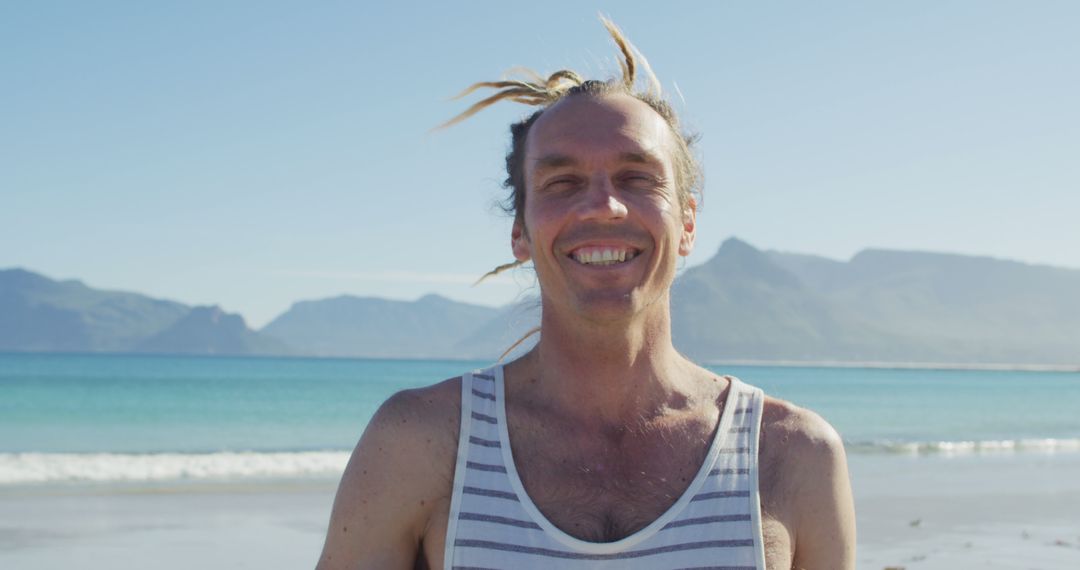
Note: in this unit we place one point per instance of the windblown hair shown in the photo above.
(535, 90)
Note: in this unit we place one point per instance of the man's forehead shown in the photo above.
(584, 127)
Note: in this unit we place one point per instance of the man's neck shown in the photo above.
(607, 373)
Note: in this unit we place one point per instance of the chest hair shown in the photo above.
(602, 487)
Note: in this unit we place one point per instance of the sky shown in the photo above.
(254, 154)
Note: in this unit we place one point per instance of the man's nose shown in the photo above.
(602, 201)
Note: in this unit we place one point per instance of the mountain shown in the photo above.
(761, 305)
(742, 304)
(211, 331)
(891, 306)
(431, 327)
(951, 307)
(38, 314)
(511, 324)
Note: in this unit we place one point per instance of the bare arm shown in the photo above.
(824, 512)
(398, 476)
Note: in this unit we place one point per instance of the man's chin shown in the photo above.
(612, 306)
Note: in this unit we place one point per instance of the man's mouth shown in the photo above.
(603, 255)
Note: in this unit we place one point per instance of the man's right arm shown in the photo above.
(399, 475)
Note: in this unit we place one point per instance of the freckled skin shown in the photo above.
(601, 408)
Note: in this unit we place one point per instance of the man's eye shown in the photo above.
(561, 184)
(640, 180)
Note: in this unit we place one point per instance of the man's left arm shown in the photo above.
(824, 513)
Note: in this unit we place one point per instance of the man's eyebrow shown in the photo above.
(642, 157)
(552, 162)
(555, 161)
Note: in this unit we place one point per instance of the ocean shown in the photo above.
(123, 418)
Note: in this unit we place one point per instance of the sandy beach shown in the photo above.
(198, 525)
(1009, 510)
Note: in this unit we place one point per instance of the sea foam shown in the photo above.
(35, 468)
(970, 447)
(29, 468)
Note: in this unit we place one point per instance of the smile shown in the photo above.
(603, 255)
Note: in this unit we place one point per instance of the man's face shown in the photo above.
(602, 224)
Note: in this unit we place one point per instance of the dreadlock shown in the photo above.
(535, 90)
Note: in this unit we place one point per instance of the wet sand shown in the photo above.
(1009, 510)
(1019, 511)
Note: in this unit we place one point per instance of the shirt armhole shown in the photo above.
(755, 494)
(459, 471)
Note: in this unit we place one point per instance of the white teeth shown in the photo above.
(604, 256)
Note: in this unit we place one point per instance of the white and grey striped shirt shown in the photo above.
(716, 524)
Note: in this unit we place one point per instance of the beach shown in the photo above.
(996, 510)
(165, 526)
(114, 461)
(1003, 510)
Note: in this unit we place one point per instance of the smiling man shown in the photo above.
(602, 447)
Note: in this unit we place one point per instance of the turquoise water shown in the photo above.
(900, 405)
(116, 404)
(109, 403)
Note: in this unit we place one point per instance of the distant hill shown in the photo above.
(742, 304)
(749, 304)
(499, 333)
(951, 307)
(38, 314)
(210, 331)
(430, 327)
(889, 306)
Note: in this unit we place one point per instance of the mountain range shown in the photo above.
(742, 304)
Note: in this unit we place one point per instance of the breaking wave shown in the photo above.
(34, 468)
(29, 468)
(973, 447)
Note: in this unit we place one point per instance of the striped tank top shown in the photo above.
(493, 524)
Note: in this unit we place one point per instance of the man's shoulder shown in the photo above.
(439, 399)
(418, 426)
(799, 453)
(796, 429)
(398, 480)
(804, 485)
(415, 416)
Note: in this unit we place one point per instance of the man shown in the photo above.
(602, 447)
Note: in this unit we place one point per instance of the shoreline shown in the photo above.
(118, 473)
(919, 513)
(886, 365)
(778, 363)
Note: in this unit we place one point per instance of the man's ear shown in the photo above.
(686, 241)
(519, 242)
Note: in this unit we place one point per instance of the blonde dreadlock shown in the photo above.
(538, 91)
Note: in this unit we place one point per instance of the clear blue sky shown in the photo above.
(252, 154)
